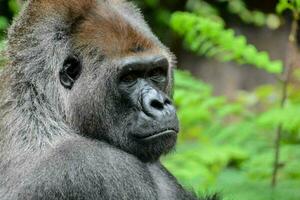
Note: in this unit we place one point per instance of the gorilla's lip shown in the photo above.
(157, 135)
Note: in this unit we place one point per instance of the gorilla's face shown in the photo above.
(117, 82)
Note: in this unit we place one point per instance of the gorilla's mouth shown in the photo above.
(165, 133)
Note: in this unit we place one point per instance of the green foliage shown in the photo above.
(292, 5)
(4, 20)
(229, 144)
(288, 116)
(238, 7)
(207, 37)
(235, 7)
(238, 187)
(3, 23)
(14, 6)
(258, 18)
(204, 9)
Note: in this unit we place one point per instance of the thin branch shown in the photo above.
(286, 81)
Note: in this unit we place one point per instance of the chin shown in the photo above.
(152, 150)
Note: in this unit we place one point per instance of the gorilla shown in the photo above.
(85, 105)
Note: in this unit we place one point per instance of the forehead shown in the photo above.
(116, 28)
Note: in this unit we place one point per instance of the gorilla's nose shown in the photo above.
(157, 105)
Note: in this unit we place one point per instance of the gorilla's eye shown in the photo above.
(129, 78)
(158, 74)
(70, 71)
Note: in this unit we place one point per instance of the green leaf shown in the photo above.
(284, 5)
(209, 38)
(3, 23)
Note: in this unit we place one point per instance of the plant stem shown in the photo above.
(292, 44)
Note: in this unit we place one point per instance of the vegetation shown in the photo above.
(247, 147)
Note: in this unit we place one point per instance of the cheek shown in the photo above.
(81, 104)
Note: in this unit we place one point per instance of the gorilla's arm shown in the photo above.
(64, 173)
(81, 169)
(168, 185)
(87, 170)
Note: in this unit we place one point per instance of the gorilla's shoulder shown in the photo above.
(83, 152)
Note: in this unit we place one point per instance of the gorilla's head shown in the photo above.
(113, 77)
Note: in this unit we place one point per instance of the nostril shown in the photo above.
(157, 104)
(168, 102)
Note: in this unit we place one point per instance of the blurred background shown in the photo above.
(237, 93)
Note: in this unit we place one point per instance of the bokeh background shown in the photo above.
(237, 93)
